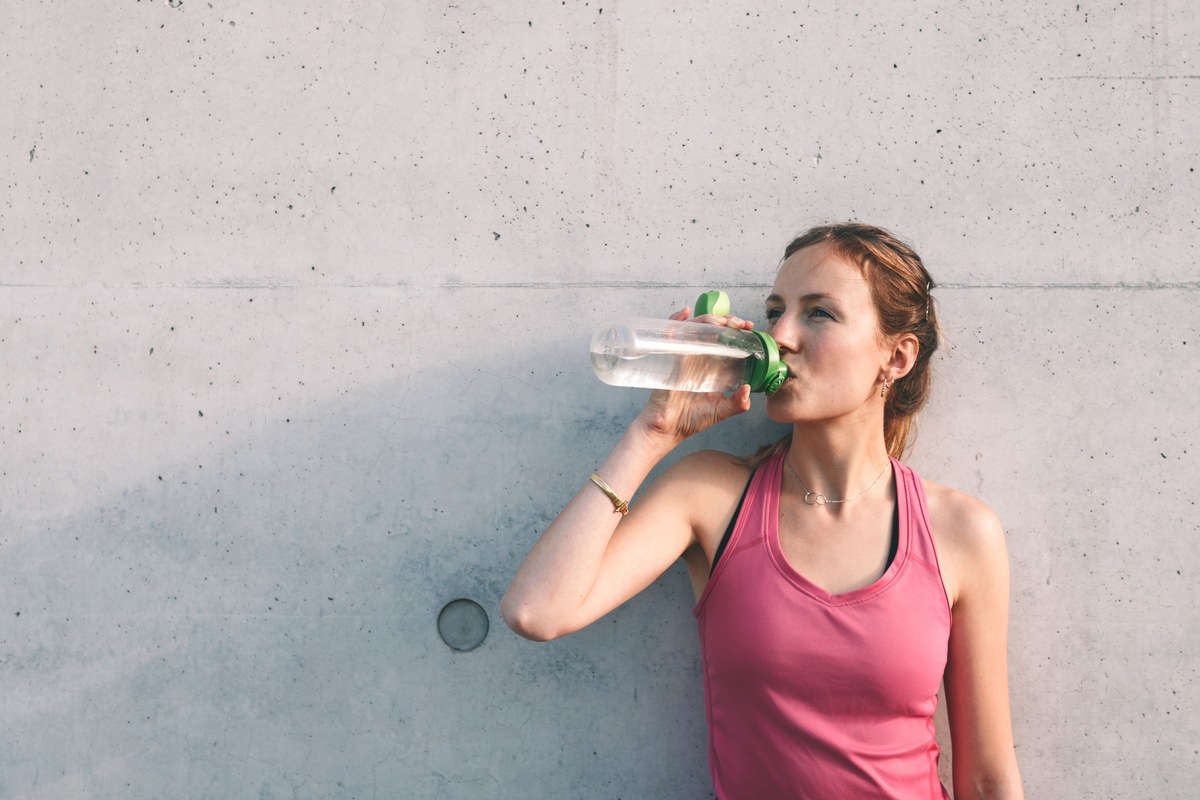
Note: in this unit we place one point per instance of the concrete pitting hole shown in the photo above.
(463, 624)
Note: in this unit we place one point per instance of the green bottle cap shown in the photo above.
(713, 302)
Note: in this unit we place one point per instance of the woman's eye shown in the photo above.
(774, 314)
(820, 312)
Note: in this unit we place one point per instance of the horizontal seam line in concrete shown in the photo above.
(1116, 286)
(551, 285)
(1123, 77)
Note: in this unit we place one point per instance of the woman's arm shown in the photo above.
(591, 559)
(977, 701)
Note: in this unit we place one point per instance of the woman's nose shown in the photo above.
(786, 333)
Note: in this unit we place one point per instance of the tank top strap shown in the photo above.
(757, 515)
(910, 497)
(761, 506)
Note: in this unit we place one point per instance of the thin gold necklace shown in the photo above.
(820, 499)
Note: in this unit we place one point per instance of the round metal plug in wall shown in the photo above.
(463, 624)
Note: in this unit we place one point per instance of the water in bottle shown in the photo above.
(686, 356)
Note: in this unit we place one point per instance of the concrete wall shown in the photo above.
(294, 301)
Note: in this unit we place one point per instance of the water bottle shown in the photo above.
(687, 356)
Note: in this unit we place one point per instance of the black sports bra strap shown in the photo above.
(732, 522)
(895, 545)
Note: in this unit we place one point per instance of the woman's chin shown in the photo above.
(778, 407)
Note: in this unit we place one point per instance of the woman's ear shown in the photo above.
(904, 355)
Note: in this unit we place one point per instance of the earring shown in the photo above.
(886, 384)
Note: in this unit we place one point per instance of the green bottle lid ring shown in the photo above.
(769, 372)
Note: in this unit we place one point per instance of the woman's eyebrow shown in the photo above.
(808, 298)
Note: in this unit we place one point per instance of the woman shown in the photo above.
(836, 589)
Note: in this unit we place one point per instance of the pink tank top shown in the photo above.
(820, 696)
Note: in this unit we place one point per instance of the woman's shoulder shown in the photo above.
(967, 533)
(959, 512)
(713, 468)
(702, 489)
(702, 484)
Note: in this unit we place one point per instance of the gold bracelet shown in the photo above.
(619, 505)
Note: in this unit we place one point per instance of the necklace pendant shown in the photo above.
(812, 498)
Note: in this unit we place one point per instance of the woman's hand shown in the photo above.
(674, 416)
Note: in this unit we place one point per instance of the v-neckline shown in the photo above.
(797, 579)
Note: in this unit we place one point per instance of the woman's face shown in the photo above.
(821, 314)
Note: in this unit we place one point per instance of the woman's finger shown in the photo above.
(738, 402)
(728, 322)
(682, 314)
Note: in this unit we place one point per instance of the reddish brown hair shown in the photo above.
(900, 286)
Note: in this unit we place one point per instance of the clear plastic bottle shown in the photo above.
(687, 356)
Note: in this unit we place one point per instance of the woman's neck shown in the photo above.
(837, 462)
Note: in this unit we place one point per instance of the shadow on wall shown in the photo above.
(263, 619)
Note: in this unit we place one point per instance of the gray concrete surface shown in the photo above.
(294, 301)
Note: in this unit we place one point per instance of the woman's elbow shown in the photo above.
(1004, 785)
(525, 622)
